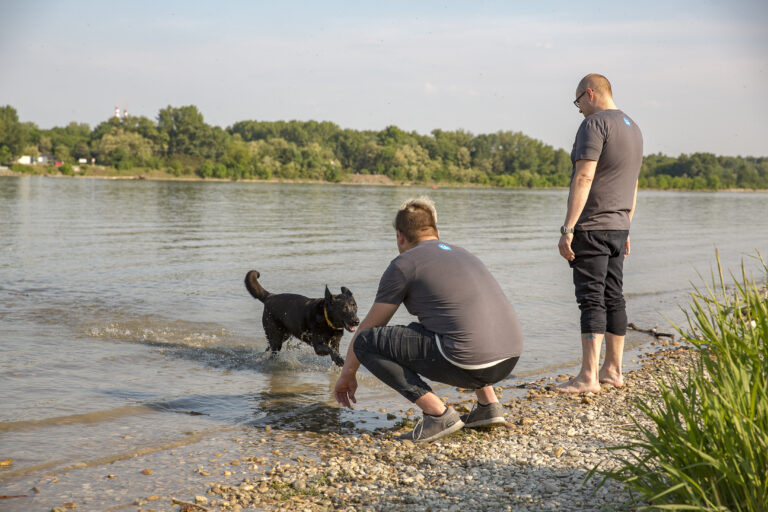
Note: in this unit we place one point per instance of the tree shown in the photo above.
(123, 149)
(187, 133)
(13, 137)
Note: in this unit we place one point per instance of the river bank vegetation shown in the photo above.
(179, 143)
(703, 436)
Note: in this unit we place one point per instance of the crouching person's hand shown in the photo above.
(345, 388)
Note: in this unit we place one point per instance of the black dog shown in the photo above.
(319, 322)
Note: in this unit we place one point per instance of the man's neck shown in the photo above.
(606, 104)
(408, 245)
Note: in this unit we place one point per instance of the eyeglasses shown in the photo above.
(576, 101)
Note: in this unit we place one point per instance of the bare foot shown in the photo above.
(614, 379)
(577, 387)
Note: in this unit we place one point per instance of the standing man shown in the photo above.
(468, 334)
(607, 155)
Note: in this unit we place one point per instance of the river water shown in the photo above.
(123, 310)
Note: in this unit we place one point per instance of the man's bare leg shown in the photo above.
(587, 380)
(486, 395)
(610, 373)
(430, 404)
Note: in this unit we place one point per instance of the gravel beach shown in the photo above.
(539, 461)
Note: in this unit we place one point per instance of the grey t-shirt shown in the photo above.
(454, 295)
(614, 140)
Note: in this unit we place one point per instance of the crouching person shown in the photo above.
(467, 334)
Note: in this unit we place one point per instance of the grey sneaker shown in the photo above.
(430, 428)
(491, 415)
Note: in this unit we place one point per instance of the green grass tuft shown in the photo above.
(703, 437)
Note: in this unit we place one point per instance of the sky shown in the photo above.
(693, 74)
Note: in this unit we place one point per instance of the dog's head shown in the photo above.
(341, 310)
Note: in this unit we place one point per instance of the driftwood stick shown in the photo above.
(189, 504)
(15, 496)
(652, 332)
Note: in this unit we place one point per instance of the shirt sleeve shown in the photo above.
(589, 140)
(392, 286)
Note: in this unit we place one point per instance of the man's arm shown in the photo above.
(380, 314)
(631, 214)
(581, 184)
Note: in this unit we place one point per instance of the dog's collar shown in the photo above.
(328, 320)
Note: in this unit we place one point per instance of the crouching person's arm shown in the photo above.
(344, 391)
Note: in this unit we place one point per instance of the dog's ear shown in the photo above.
(346, 291)
(328, 295)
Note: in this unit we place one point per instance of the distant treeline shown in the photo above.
(180, 142)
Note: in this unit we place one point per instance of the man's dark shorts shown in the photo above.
(598, 275)
(400, 355)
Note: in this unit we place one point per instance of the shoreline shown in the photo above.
(539, 461)
(351, 179)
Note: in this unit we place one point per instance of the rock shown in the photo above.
(562, 378)
(548, 487)
(462, 409)
(558, 451)
(111, 476)
(146, 471)
(201, 500)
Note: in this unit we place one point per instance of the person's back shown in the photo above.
(453, 294)
(612, 139)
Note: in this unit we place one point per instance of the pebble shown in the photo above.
(548, 487)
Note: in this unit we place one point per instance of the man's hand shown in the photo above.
(345, 388)
(626, 247)
(565, 247)
(380, 314)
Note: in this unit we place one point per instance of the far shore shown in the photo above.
(109, 173)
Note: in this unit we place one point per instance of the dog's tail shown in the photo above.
(253, 286)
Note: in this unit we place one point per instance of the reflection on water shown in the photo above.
(123, 308)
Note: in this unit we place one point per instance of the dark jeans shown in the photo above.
(598, 277)
(398, 355)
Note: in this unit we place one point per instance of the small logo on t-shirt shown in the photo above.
(627, 122)
(444, 247)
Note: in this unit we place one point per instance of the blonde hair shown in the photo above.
(417, 217)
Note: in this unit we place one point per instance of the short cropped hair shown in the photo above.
(417, 218)
(597, 83)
